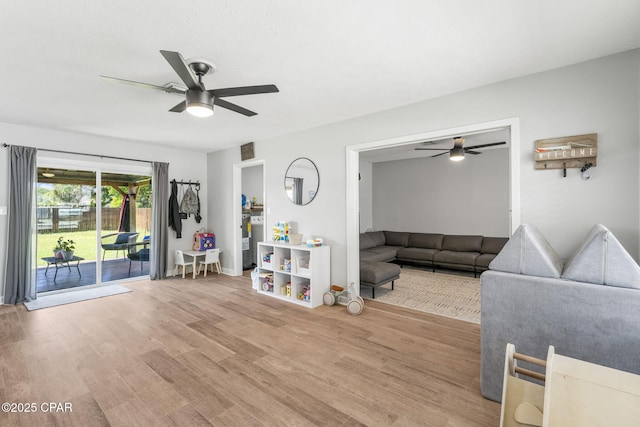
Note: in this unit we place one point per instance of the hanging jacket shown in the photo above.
(174, 210)
(198, 216)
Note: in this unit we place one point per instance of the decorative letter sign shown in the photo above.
(567, 152)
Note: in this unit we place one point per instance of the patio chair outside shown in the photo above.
(141, 255)
(122, 243)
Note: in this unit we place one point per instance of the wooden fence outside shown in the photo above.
(56, 219)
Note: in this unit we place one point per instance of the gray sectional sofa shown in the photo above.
(587, 308)
(471, 253)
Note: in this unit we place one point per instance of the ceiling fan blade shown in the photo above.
(179, 108)
(441, 154)
(244, 90)
(488, 145)
(145, 85)
(233, 107)
(179, 65)
(466, 150)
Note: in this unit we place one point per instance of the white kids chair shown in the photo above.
(180, 262)
(211, 258)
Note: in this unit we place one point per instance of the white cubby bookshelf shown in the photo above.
(299, 266)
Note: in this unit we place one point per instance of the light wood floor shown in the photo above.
(213, 352)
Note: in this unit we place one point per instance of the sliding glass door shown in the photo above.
(126, 225)
(98, 209)
(66, 231)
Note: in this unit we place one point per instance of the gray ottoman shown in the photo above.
(375, 274)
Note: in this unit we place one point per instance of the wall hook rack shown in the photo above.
(196, 184)
(566, 152)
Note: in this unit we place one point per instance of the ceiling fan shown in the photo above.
(457, 152)
(199, 101)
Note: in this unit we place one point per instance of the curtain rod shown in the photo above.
(85, 154)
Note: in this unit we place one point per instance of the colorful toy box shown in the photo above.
(203, 241)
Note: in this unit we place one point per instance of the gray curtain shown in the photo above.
(159, 221)
(20, 276)
(297, 190)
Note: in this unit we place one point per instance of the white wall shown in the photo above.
(252, 182)
(183, 165)
(597, 96)
(312, 220)
(366, 195)
(221, 218)
(436, 195)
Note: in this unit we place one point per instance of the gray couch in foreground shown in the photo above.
(588, 308)
(466, 252)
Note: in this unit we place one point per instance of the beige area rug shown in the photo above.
(436, 293)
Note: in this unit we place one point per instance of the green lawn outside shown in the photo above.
(85, 243)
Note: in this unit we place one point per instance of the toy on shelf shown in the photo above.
(354, 303)
(267, 284)
(312, 243)
(281, 231)
(304, 294)
(266, 259)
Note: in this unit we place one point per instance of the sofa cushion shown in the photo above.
(603, 260)
(493, 245)
(454, 257)
(594, 323)
(377, 237)
(484, 260)
(380, 253)
(371, 256)
(528, 252)
(462, 243)
(416, 254)
(425, 240)
(366, 242)
(396, 238)
(375, 273)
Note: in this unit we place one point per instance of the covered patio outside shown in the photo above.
(68, 209)
(113, 269)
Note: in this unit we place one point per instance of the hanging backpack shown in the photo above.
(189, 203)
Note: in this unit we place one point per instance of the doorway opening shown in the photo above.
(353, 174)
(249, 201)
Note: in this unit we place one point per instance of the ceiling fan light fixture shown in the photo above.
(456, 154)
(199, 103)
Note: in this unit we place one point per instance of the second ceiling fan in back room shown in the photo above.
(199, 101)
(458, 151)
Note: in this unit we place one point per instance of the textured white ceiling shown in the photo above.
(332, 60)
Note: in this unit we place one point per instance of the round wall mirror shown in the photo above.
(301, 181)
